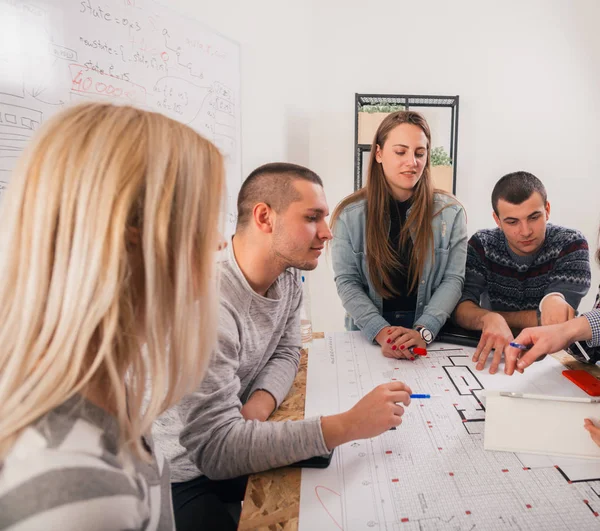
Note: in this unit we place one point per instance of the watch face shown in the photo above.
(426, 335)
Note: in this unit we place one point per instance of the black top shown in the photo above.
(407, 302)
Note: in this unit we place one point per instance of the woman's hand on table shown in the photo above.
(397, 341)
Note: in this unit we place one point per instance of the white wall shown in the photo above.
(526, 72)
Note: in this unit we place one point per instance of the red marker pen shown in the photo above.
(419, 351)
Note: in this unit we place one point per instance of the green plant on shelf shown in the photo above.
(439, 157)
(381, 108)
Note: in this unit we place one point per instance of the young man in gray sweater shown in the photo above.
(220, 433)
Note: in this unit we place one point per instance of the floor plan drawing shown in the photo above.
(432, 471)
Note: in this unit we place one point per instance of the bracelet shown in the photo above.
(550, 295)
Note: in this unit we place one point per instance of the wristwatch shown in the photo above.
(425, 334)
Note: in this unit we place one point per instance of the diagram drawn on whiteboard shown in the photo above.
(136, 52)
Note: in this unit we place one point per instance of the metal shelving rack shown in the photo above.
(408, 101)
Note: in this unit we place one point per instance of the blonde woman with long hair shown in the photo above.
(399, 246)
(109, 229)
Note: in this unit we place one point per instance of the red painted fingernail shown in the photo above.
(394, 347)
(412, 359)
(389, 331)
(419, 351)
(389, 340)
(401, 347)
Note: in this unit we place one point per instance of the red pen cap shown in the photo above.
(420, 351)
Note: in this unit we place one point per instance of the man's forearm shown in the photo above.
(520, 320)
(469, 315)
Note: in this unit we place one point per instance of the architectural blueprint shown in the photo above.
(432, 471)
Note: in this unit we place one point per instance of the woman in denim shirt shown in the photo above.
(399, 247)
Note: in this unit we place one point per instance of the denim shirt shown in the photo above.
(440, 284)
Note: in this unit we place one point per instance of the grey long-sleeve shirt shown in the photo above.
(258, 348)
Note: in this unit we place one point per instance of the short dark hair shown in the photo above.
(271, 184)
(517, 187)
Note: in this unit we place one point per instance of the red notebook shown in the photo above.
(583, 379)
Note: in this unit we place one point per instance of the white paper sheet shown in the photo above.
(540, 424)
(432, 472)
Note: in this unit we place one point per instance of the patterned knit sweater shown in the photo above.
(498, 279)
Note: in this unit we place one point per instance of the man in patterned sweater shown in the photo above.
(524, 273)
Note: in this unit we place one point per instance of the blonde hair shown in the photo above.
(101, 189)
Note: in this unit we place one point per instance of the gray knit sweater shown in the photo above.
(258, 348)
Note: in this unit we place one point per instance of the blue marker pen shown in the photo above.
(417, 395)
(519, 346)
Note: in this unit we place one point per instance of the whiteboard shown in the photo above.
(55, 53)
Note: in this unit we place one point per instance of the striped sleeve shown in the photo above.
(46, 493)
(66, 471)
